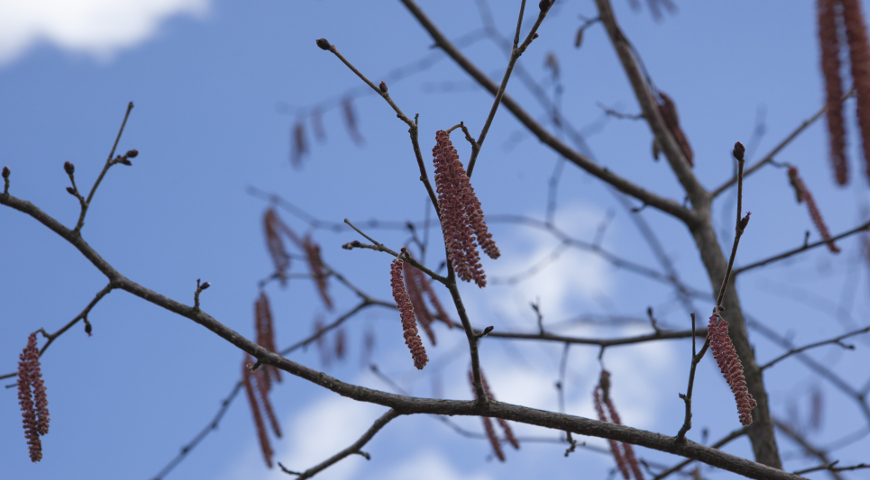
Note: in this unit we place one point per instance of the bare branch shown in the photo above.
(649, 198)
(353, 449)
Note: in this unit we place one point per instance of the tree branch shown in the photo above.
(403, 404)
(669, 206)
(351, 450)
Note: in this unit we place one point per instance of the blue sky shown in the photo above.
(217, 88)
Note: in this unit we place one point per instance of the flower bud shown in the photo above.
(6, 172)
(132, 153)
(383, 87)
(323, 44)
(739, 150)
(545, 5)
(69, 168)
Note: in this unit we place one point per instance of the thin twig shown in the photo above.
(353, 449)
(109, 163)
(516, 51)
(770, 156)
(687, 398)
(582, 161)
(81, 316)
(835, 340)
(789, 253)
(412, 126)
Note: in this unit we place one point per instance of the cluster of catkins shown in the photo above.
(843, 19)
(622, 452)
(487, 422)
(258, 382)
(461, 214)
(276, 230)
(31, 397)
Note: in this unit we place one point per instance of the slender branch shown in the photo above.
(381, 248)
(800, 440)
(351, 450)
(740, 225)
(669, 206)
(412, 124)
(225, 404)
(687, 398)
(639, 83)
(516, 51)
(602, 342)
(770, 156)
(212, 426)
(835, 340)
(109, 163)
(81, 316)
(789, 253)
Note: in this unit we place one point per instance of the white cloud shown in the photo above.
(562, 286)
(96, 27)
(429, 465)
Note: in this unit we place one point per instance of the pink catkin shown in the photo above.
(262, 384)
(461, 214)
(626, 447)
(731, 367)
(248, 380)
(415, 292)
(487, 422)
(318, 271)
(279, 255)
(32, 398)
(266, 335)
(621, 462)
(859, 61)
(508, 433)
(804, 195)
(406, 310)
(830, 47)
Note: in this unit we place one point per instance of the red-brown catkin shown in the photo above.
(32, 398)
(615, 449)
(731, 367)
(318, 270)
(415, 292)
(859, 61)
(487, 422)
(461, 213)
(804, 195)
(830, 47)
(508, 433)
(248, 380)
(406, 310)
